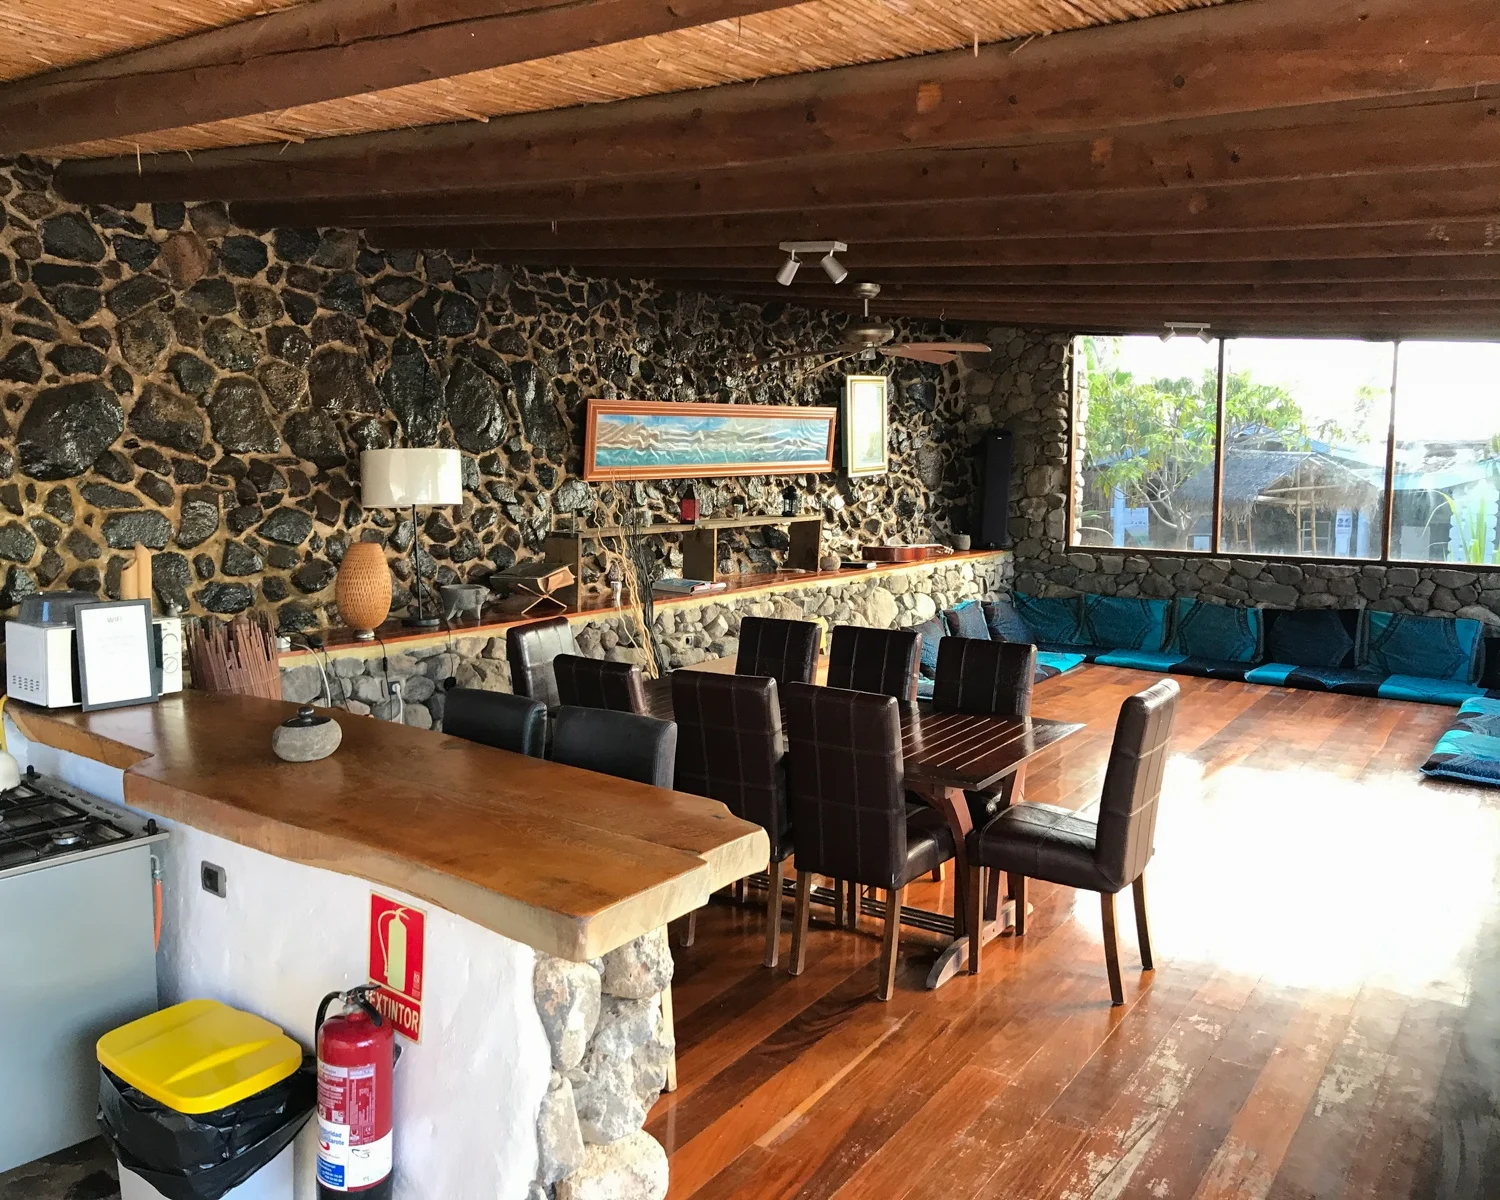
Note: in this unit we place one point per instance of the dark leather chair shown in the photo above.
(616, 743)
(988, 679)
(883, 661)
(496, 719)
(730, 748)
(849, 807)
(1042, 841)
(787, 651)
(599, 683)
(530, 649)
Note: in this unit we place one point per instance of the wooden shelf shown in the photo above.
(700, 542)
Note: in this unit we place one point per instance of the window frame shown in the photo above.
(1215, 550)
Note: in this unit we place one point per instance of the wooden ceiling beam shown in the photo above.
(1467, 239)
(1409, 140)
(1284, 53)
(1422, 199)
(324, 50)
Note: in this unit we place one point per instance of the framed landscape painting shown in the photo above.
(654, 439)
(864, 444)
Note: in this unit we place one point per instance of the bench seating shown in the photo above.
(1470, 751)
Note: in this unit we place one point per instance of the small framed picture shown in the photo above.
(115, 654)
(864, 425)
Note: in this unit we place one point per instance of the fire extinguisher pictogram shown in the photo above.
(356, 1064)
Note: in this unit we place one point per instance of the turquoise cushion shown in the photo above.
(1271, 674)
(1428, 691)
(966, 620)
(1056, 664)
(1430, 647)
(1139, 660)
(1125, 622)
(1204, 630)
(1470, 750)
(931, 633)
(1057, 619)
(1004, 622)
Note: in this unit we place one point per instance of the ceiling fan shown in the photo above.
(870, 335)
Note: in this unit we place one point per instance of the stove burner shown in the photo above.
(36, 825)
(67, 839)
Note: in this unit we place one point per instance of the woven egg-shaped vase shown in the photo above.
(363, 589)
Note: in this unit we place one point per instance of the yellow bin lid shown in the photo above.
(200, 1055)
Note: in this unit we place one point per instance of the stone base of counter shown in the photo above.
(690, 631)
(611, 1050)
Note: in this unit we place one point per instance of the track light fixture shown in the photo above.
(1195, 328)
(825, 250)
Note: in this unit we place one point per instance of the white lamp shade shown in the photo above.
(401, 478)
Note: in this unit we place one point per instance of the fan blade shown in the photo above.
(800, 355)
(921, 353)
(949, 347)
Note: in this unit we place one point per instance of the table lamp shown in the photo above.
(406, 479)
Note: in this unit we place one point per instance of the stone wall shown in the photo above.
(691, 631)
(168, 379)
(611, 1047)
(1046, 566)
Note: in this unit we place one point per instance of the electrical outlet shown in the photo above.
(214, 879)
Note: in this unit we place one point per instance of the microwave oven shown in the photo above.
(41, 661)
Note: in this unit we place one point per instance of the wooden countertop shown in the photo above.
(567, 861)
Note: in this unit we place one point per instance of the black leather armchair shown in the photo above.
(621, 744)
(496, 719)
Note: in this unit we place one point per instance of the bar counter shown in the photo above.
(563, 860)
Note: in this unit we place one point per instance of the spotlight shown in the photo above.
(833, 268)
(788, 271)
(825, 250)
(1168, 334)
(1204, 336)
(1200, 331)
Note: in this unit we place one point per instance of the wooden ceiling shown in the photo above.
(1273, 166)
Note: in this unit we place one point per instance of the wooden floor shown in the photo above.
(1324, 1019)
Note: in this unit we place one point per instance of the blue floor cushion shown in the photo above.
(1432, 647)
(1004, 622)
(1212, 668)
(1428, 691)
(1054, 619)
(1125, 622)
(1138, 660)
(1216, 631)
(1344, 680)
(966, 620)
(924, 688)
(1053, 663)
(1312, 638)
(1470, 750)
(931, 633)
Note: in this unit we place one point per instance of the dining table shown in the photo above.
(945, 756)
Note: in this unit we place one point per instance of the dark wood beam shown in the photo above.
(322, 51)
(1469, 239)
(1284, 53)
(1434, 271)
(1421, 199)
(1409, 140)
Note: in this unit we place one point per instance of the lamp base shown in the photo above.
(421, 622)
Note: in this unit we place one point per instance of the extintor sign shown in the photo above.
(398, 933)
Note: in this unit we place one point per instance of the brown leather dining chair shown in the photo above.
(986, 679)
(730, 748)
(849, 808)
(1042, 841)
(883, 661)
(599, 683)
(530, 649)
(787, 651)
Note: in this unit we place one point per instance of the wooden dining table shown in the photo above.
(946, 754)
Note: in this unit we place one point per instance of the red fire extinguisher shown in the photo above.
(356, 1061)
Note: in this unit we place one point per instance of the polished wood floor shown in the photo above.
(1323, 1022)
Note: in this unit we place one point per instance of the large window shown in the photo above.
(1281, 446)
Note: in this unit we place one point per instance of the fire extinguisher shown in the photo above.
(356, 1062)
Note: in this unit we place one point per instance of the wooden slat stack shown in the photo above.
(238, 657)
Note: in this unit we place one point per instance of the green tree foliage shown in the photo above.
(1147, 437)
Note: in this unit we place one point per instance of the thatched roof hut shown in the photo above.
(1285, 478)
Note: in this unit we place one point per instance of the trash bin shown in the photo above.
(201, 1102)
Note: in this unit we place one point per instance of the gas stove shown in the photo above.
(44, 823)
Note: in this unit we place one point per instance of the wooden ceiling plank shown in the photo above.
(323, 51)
(1423, 199)
(1411, 140)
(1168, 68)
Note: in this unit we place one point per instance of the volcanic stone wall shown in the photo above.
(170, 380)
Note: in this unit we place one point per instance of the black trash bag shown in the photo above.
(202, 1157)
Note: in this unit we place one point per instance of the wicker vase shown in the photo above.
(363, 589)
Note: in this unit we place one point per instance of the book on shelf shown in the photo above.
(687, 587)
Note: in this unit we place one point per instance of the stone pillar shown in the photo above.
(610, 1052)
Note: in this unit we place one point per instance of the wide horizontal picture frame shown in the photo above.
(661, 439)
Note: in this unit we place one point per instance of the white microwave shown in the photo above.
(41, 661)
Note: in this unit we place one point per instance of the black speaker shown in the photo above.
(992, 504)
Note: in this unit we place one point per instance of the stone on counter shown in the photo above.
(568, 1002)
(639, 969)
